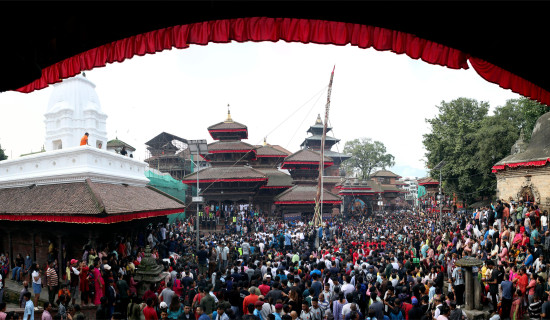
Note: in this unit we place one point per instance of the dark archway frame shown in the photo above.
(259, 29)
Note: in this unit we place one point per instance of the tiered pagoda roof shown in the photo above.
(228, 130)
(226, 174)
(230, 147)
(385, 174)
(276, 179)
(305, 194)
(305, 159)
(269, 151)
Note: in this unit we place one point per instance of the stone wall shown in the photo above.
(510, 183)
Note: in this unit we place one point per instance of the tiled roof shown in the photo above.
(427, 180)
(306, 155)
(233, 173)
(115, 143)
(269, 151)
(278, 147)
(230, 145)
(305, 193)
(385, 173)
(83, 198)
(276, 178)
(227, 125)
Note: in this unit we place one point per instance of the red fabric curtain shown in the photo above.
(538, 163)
(289, 30)
(252, 29)
(508, 80)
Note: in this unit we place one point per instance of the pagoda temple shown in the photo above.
(313, 142)
(268, 160)
(303, 166)
(229, 181)
(73, 195)
(525, 173)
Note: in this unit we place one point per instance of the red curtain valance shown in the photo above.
(538, 163)
(89, 219)
(289, 30)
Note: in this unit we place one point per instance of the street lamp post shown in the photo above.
(200, 147)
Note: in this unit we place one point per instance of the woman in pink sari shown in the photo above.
(99, 284)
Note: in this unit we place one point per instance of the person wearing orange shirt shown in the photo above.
(84, 140)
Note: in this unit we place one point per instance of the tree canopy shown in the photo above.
(3, 155)
(471, 141)
(366, 155)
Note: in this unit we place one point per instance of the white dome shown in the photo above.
(77, 93)
(74, 109)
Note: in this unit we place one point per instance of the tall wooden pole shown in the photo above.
(317, 218)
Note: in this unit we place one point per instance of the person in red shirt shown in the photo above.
(149, 311)
(264, 287)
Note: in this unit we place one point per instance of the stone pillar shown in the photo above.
(468, 288)
(477, 294)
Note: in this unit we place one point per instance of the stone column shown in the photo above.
(468, 288)
(477, 294)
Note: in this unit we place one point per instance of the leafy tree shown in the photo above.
(366, 155)
(522, 113)
(452, 137)
(3, 156)
(471, 142)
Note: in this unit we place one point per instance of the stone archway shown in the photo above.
(528, 193)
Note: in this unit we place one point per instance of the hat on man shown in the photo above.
(259, 303)
(107, 267)
(163, 305)
(414, 301)
(279, 306)
(73, 261)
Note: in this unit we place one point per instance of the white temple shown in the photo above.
(73, 110)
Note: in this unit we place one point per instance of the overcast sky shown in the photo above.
(276, 89)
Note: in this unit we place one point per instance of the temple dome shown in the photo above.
(538, 148)
(72, 110)
(77, 94)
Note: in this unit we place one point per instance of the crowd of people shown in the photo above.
(395, 265)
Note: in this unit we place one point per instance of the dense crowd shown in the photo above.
(395, 265)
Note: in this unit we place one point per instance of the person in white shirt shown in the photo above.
(544, 222)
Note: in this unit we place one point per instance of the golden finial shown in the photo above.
(265, 143)
(228, 115)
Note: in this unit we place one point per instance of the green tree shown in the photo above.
(366, 155)
(3, 155)
(521, 113)
(452, 139)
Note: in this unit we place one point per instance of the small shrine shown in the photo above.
(525, 173)
(148, 272)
